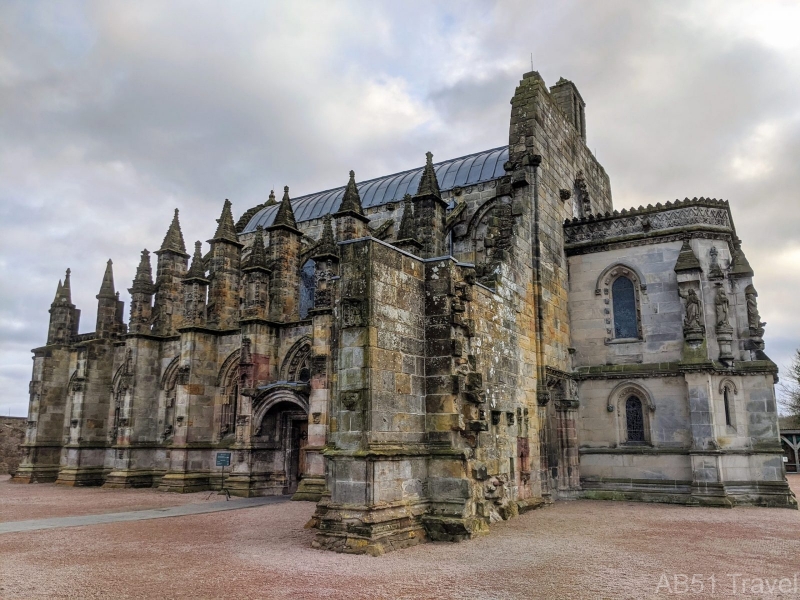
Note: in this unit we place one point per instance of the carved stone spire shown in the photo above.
(142, 296)
(256, 280)
(66, 291)
(351, 222)
(428, 184)
(326, 246)
(173, 241)
(741, 267)
(64, 317)
(258, 257)
(195, 289)
(407, 229)
(271, 201)
(407, 233)
(687, 260)
(284, 253)
(107, 287)
(196, 270)
(430, 213)
(351, 201)
(59, 292)
(285, 216)
(171, 269)
(109, 306)
(144, 273)
(225, 228)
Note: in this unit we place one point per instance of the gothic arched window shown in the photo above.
(227, 418)
(626, 323)
(634, 420)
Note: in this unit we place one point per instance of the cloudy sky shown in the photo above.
(114, 113)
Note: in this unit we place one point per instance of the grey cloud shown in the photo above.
(111, 114)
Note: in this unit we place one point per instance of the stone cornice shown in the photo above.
(673, 369)
(698, 218)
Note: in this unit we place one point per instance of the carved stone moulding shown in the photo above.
(350, 400)
(694, 335)
(542, 398)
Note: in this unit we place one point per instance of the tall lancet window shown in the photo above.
(307, 286)
(634, 420)
(726, 399)
(624, 298)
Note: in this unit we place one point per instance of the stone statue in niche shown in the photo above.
(723, 327)
(754, 322)
(721, 304)
(715, 272)
(693, 310)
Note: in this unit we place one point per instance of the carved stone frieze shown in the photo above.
(711, 213)
(352, 312)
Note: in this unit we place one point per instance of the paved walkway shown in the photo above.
(139, 515)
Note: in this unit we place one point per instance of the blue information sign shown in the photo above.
(223, 459)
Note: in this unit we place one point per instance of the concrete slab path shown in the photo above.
(139, 515)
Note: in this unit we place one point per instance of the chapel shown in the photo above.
(428, 352)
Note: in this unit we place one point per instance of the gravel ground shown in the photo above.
(19, 502)
(579, 549)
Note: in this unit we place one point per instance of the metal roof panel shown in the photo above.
(456, 172)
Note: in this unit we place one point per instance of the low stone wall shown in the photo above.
(12, 434)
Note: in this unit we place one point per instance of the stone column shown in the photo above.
(707, 486)
(83, 455)
(326, 259)
(430, 213)
(133, 429)
(172, 263)
(284, 246)
(224, 273)
(566, 414)
(48, 392)
(190, 462)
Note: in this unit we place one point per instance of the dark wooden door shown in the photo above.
(297, 453)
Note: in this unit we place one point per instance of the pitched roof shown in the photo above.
(456, 172)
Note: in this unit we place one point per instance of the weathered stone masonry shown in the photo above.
(428, 352)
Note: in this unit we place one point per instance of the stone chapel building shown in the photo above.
(428, 352)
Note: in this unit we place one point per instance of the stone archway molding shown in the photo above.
(274, 394)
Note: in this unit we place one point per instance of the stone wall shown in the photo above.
(12, 434)
(709, 414)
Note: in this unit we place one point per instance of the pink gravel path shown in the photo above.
(20, 502)
(580, 549)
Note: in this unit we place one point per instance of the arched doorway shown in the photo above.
(280, 436)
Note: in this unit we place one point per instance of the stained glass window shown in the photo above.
(634, 419)
(625, 322)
